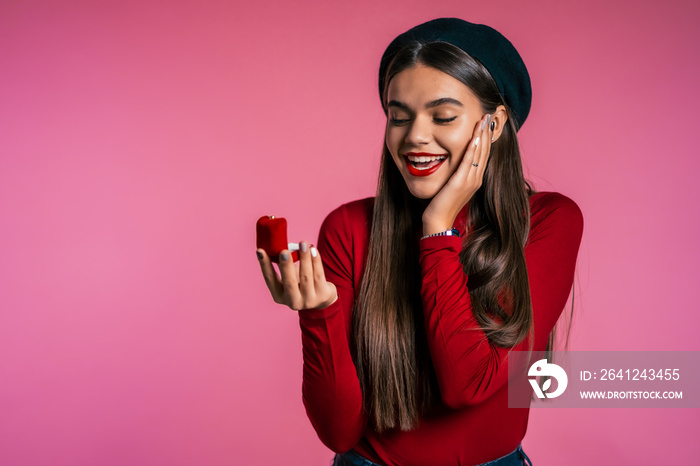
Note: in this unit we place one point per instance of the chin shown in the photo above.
(423, 192)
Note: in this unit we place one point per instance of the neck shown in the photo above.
(422, 204)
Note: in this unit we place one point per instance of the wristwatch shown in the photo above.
(452, 232)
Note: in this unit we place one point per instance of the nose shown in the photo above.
(419, 132)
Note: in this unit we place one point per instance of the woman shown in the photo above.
(417, 295)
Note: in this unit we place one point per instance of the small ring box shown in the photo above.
(271, 235)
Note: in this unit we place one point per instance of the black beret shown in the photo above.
(483, 43)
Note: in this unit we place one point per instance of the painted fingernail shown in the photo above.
(314, 251)
(483, 124)
(303, 246)
(284, 256)
(476, 141)
(259, 254)
(488, 119)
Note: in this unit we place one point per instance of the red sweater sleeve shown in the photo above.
(468, 367)
(330, 387)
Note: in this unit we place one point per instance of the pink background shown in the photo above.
(140, 141)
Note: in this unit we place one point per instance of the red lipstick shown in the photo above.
(430, 168)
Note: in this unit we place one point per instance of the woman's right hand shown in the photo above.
(305, 288)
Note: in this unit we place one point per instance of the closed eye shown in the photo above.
(443, 121)
(440, 121)
(399, 121)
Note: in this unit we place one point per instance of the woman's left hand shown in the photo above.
(464, 182)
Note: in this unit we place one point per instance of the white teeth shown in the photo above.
(413, 158)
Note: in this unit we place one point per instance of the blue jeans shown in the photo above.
(515, 458)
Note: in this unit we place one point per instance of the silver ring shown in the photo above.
(475, 164)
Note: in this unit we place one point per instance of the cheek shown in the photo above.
(457, 141)
(393, 143)
(391, 137)
(389, 141)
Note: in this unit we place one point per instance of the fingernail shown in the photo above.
(314, 252)
(259, 254)
(483, 124)
(303, 246)
(476, 141)
(488, 119)
(284, 256)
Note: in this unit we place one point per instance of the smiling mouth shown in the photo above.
(423, 164)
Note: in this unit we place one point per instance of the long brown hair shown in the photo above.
(389, 342)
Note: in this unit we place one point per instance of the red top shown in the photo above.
(476, 426)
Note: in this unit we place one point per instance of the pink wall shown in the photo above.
(140, 141)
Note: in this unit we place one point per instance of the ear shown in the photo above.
(499, 117)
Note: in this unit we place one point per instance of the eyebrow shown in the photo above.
(434, 103)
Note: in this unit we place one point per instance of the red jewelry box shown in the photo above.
(271, 235)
